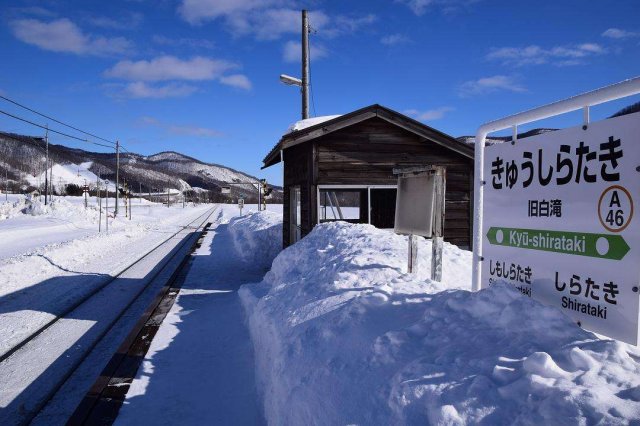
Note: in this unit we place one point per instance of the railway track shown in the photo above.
(53, 363)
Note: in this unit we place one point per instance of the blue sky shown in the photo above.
(201, 76)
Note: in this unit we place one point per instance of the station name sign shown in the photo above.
(559, 222)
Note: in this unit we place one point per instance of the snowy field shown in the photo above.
(342, 335)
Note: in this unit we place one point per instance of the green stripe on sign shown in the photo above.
(605, 246)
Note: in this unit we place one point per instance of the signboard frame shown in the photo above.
(616, 91)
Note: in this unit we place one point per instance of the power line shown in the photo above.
(52, 130)
(53, 119)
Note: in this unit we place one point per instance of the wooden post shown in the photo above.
(438, 223)
(412, 265)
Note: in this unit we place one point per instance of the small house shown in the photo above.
(341, 168)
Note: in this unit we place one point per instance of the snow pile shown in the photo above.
(22, 206)
(343, 336)
(58, 207)
(308, 122)
(257, 237)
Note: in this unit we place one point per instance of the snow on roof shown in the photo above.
(308, 122)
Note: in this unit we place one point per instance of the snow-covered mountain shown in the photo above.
(22, 159)
(499, 139)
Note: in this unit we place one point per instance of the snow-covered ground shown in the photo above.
(342, 335)
(200, 366)
(60, 244)
(54, 272)
(336, 331)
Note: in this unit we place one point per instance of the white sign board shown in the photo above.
(559, 222)
(225, 190)
(414, 205)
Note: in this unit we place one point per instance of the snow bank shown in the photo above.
(58, 207)
(257, 237)
(342, 335)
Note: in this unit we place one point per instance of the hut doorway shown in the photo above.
(383, 207)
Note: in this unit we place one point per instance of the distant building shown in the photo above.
(341, 168)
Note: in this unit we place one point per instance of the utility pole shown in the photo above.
(126, 208)
(305, 82)
(115, 213)
(51, 187)
(106, 207)
(99, 203)
(6, 183)
(46, 171)
(305, 65)
(168, 201)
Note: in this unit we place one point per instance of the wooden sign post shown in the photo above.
(420, 211)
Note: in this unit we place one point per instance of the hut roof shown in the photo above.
(309, 130)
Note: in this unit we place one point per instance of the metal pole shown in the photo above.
(99, 203)
(6, 183)
(259, 197)
(106, 210)
(305, 65)
(168, 201)
(605, 94)
(46, 172)
(115, 213)
(438, 224)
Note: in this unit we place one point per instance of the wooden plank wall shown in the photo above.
(367, 152)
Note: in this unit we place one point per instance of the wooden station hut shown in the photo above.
(342, 169)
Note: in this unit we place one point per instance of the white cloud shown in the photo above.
(271, 24)
(536, 55)
(168, 67)
(180, 130)
(292, 51)
(617, 33)
(340, 25)
(394, 39)
(140, 89)
(125, 22)
(194, 43)
(268, 19)
(419, 7)
(487, 85)
(171, 68)
(429, 115)
(62, 35)
(236, 80)
(198, 11)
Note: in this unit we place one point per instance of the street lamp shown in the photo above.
(290, 81)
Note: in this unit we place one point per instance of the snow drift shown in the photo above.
(343, 336)
(257, 237)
